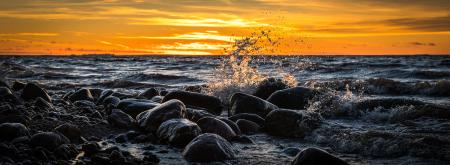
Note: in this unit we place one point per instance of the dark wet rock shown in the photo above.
(268, 86)
(84, 104)
(4, 91)
(197, 114)
(41, 153)
(81, 94)
(111, 101)
(149, 93)
(7, 96)
(90, 148)
(71, 131)
(150, 120)
(157, 99)
(95, 92)
(9, 114)
(315, 156)
(291, 123)
(291, 151)
(10, 131)
(21, 140)
(32, 91)
(292, 98)
(163, 92)
(178, 132)
(66, 151)
(248, 127)
(4, 84)
(208, 147)
(135, 106)
(17, 85)
(48, 140)
(121, 138)
(7, 150)
(210, 103)
(250, 117)
(120, 119)
(103, 95)
(216, 126)
(232, 125)
(243, 139)
(41, 103)
(244, 103)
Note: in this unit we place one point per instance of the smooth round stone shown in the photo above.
(178, 132)
(293, 98)
(208, 147)
(72, 132)
(210, 103)
(32, 91)
(315, 156)
(216, 126)
(232, 125)
(81, 94)
(17, 85)
(120, 119)
(10, 131)
(135, 106)
(48, 140)
(250, 117)
(291, 123)
(248, 127)
(149, 93)
(40, 102)
(103, 96)
(244, 103)
(268, 86)
(150, 120)
(197, 114)
(111, 100)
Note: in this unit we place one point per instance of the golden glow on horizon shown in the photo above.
(199, 27)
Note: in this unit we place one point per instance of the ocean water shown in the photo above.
(381, 135)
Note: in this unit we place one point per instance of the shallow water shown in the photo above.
(379, 136)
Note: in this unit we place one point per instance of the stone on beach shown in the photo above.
(196, 114)
(291, 123)
(292, 98)
(315, 156)
(268, 86)
(71, 131)
(247, 127)
(208, 147)
(32, 91)
(10, 131)
(232, 125)
(48, 140)
(244, 103)
(120, 119)
(81, 94)
(210, 103)
(248, 116)
(135, 106)
(149, 93)
(216, 126)
(178, 132)
(150, 120)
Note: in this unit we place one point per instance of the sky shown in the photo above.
(209, 27)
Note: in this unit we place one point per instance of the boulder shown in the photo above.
(216, 126)
(111, 101)
(81, 94)
(32, 91)
(315, 156)
(196, 114)
(7, 96)
(178, 132)
(41, 103)
(95, 92)
(248, 116)
(292, 98)
(4, 84)
(48, 140)
(103, 95)
(208, 147)
(17, 85)
(135, 106)
(291, 123)
(150, 120)
(210, 103)
(244, 103)
(149, 93)
(71, 131)
(248, 127)
(120, 119)
(232, 125)
(268, 86)
(10, 131)
(66, 151)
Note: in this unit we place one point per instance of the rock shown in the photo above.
(292, 98)
(84, 104)
(232, 125)
(7, 96)
(243, 139)
(72, 132)
(244, 103)
(149, 93)
(197, 114)
(82, 94)
(152, 158)
(210, 103)
(291, 123)
(103, 95)
(90, 148)
(268, 86)
(120, 119)
(111, 101)
(208, 147)
(48, 140)
(150, 120)
(250, 117)
(135, 106)
(32, 91)
(216, 126)
(163, 92)
(247, 127)
(4, 84)
(10, 131)
(17, 85)
(66, 151)
(178, 132)
(315, 156)
(41, 103)
(95, 92)
(4, 91)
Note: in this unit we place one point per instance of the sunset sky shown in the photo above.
(205, 27)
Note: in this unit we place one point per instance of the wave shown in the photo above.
(157, 76)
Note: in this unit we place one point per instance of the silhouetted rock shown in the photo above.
(244, 103)
(292, 98)
(268, 86)
(151, 119)
(120, 119)
(90, 148)
(178, 132)
(149, 93)
(111, 101)
(40, 102)
(157, 99)
(291, 123)
(72, 132)
(210, 103)
(4, 84)
(135, 106)
(10, 131)
(250, 117)
(248, 127)
(196, 114)
(7, 96)
(32, 91)
(81, 94)
(66, 151)
(208, 147)
(232, 125)
(103, 95)
(17, 85)
(315, 156)
(48, 140)
(216, 126)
